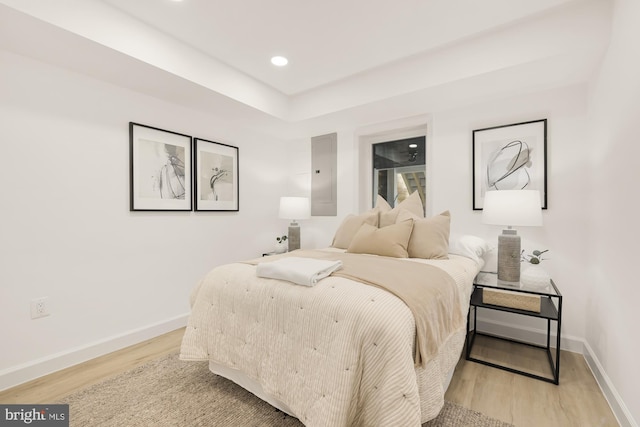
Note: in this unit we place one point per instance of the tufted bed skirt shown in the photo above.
(336, 354)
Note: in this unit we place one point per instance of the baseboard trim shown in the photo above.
(21, 374)
(523, 333)
(574, 345)
(616, 403)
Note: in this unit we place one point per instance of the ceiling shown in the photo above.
(327, 40)
(350, 61)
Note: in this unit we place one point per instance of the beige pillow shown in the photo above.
(391, 241)
(350, 226)
(386, 219)
(413, 204)
(382, 205)
(430, 237)
(404, 215)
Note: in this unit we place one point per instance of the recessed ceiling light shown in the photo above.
(279, 61)
(413, 145)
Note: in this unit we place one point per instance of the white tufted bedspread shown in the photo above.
(337, 354)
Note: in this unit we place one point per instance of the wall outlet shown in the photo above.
(40, 307)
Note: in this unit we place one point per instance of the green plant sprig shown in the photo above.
(534, 258)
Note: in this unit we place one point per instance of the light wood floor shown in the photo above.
(527, 402)
(513, 398)
(53, 387)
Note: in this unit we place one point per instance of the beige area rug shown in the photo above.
(169, 392)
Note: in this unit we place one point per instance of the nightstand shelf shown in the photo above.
(547, 309)
(550, 310)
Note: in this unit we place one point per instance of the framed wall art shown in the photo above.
(216, 176)
(160, 169)
(510, 157)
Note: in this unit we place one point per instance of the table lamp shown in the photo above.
(511, 208)
(294, 208)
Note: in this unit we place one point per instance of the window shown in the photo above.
(399, 169)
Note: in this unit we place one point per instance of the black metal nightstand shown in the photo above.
(550, 309)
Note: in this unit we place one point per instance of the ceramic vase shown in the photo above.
(535, 277)
(280, 248)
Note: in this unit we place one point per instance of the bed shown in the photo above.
(343, 352)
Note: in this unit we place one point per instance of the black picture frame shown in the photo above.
(160, 169)
(510, 157)
(216, 178)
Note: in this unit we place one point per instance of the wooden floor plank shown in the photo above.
(528, 402)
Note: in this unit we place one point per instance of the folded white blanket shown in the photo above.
(302, 271)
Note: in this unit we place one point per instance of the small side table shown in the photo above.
(550, 309)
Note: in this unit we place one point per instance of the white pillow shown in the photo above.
(468, 246)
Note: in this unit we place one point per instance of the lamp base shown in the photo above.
(294, 236)
(509, 257)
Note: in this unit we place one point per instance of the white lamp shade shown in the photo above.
(294, 208)
(512, 208)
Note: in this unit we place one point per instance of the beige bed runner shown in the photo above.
(429, 292)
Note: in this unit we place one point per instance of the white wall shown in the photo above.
(564, 220)
(449, 169)
(318, 231)
(112, 276)
(611, 323)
